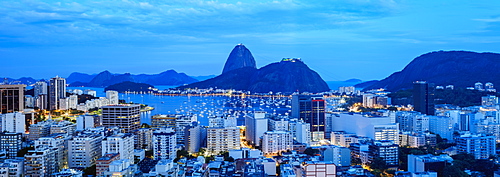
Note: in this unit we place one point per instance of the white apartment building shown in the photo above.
(274, 142)
(481, 146)
(13, 122)
(223, 139)
(84, 150)
(122, 143)
(164, 144)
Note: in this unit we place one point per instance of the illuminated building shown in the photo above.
(11, 143)
(122, 143)
(84, 150)
(479, 145)
(164, 144)
(311, 109)
(274, 142)
(256, 126)
(13, 122)
(223, 139)
(423, 97)
(11, 98)
(57, 91)
(127, 117)
(112, 96)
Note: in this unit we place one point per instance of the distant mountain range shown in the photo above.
(22, 80)
(129, 86)
(106, 78)
(458, 68)
(289, 75)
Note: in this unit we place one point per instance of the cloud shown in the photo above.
(69, 22)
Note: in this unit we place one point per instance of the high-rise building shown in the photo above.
(72, 101)
(442, 126)
(40, 162)
(85, 121)
(256, 126)
(122, 143)
(64, 127)
(301, 131)
(423, 97)
(57, 143)
(11, 98)
(11, 143)
(481, 146)
(181, 123)
(311, 109)
(144, 138)
(40, 129)
(15, 166)
(127, 117)
(274, 142)
(164, 121)
(194, 137)
(57, 90)
(376, 127)
(40, 88)
(13, 122)
(112, 96)
(223, 139)
(164, 144)
(84, 150)
(340, 156)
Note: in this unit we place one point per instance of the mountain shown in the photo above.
(106, 78)
(79, 77)
(353, 80)
(289, 75)
(169, 77)
(239, 57)
(458, 68)
(129, 86)
(22, 80)
(365, 84)
(101, 80)
(202, 78)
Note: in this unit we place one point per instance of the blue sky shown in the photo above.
(365, 39)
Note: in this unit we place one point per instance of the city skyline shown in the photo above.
(337, 39)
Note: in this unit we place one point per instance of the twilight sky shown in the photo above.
(340, 39)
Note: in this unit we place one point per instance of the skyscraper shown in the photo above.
(311, 109)
(57, 90)
(127, 117)
(11, 98)
(423, 97)
(164, 142)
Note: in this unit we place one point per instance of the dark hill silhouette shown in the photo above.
(285, 76)
(458, 68)
(240, 57)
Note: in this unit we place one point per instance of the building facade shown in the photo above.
(11, 98)
(127, 117)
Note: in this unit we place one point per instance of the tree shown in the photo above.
(90, 171)
(24, 151)
(145, 125)
(311, 152)
(486, 166)
(453, 171)
(379, 164)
